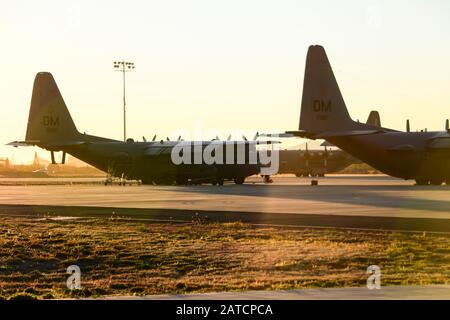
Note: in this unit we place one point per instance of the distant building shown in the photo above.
(4, 163)
(36, 162)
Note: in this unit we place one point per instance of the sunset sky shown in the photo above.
(223, 65)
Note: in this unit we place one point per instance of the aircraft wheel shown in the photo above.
(422, 182)
(220, 182)
(298, 175)
(179, 181)
(436, 181)
(239, 180)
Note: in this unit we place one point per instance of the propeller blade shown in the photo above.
(154, 138)
(245, 139)
(143, 139)
(408, 128)
(256, 135)
(447, 125)
(229, 138)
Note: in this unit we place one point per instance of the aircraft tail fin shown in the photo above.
(49, 119)
(323, 108)
(374, 119)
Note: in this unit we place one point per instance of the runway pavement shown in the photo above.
(338, 200)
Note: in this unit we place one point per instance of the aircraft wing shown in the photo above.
(167, 146)
(329, 134)
(402, 148)
(440, 143)
(348, 133)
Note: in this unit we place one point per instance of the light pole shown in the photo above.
(124, 66)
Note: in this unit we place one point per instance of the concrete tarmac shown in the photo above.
(335, 195)
(371, 200)
(365, 202)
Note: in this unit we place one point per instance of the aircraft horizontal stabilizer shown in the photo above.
(268, 142)
(23, 143)
(55, 144)
(277, 135)
(301, 134)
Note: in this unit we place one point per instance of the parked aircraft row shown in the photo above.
(423, 156)
(50, 126)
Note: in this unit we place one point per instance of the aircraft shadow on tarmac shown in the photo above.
(377, 196)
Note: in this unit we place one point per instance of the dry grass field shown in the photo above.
(126, 257)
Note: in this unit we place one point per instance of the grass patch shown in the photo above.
(125, 257)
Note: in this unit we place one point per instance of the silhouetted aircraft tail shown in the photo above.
(49, 120)
(374, 119)
(323, 111)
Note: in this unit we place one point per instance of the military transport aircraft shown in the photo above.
(423, 156)
(51, 127)
(314, 163)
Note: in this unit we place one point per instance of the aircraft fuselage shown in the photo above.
(407, 155)
(132, 160)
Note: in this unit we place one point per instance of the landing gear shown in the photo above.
(267, 179)
(218, 181)
(239, 180)
(422, 182)
(179, 181)
(436, 181)
(122, 180)
(302, 174)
